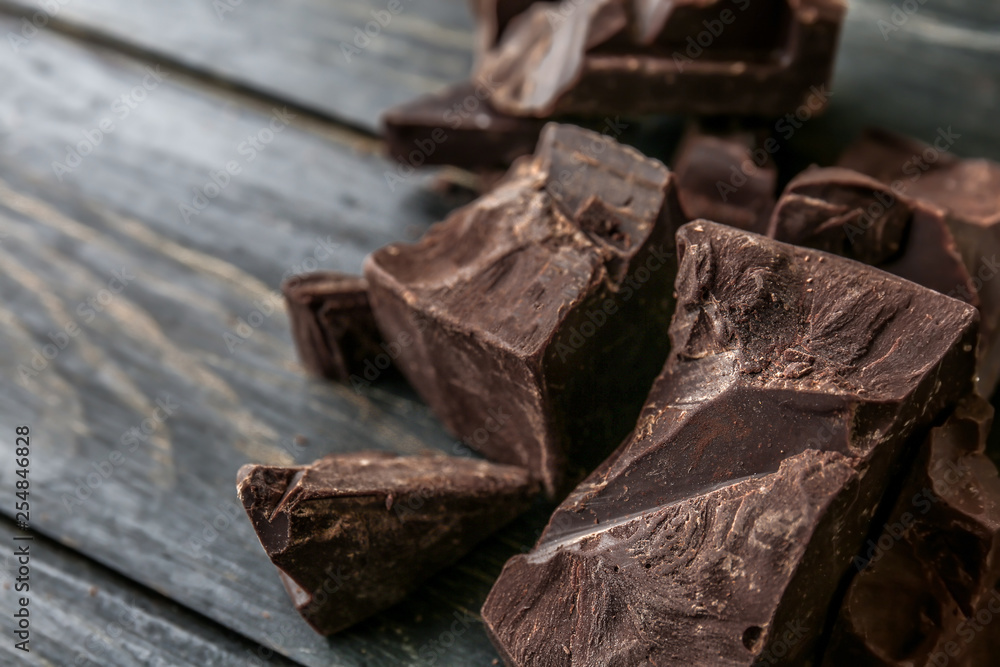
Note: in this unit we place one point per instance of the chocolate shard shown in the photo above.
(536, 312)
(352, 534)
(969, 192)
(458, 126)
(721, 177)
(848, 213)
(718, 532)
(664, 56)
(333, 327)
(928, 590)
(843, 212)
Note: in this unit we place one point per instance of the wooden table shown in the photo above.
(126, 345)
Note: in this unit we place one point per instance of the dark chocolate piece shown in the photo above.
(352, 534)
(664, 56)
(720, 177)
(848, 213)
(458, 126)
(843, 212)
(332, 324)
(929, 581)
(537, 311)
(718, 532)
(969, 192)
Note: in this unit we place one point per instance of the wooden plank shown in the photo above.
(165, 514)
(163, 334)
(939, 70)
(85, 615)
(305, 51)
(940, 67)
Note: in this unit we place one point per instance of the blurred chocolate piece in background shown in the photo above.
(727, 175)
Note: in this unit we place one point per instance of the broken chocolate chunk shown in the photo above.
(537, 312)
(332, 324)
(721, 177)
(969, 192)
(352, 534)
(851, 214)
(930, 578)
(458, 126)
(664, 56)
(722, 527)
(843, 212)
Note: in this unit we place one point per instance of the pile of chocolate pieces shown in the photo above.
(794, 383)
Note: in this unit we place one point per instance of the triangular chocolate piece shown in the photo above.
(718, 533)
(352, 534)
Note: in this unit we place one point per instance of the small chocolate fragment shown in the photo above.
(368, 527)
(332, 324)
(723, 525)
(931, 578)
(537, 311)
(719, 178)
(612, 56)
(440, 128)
(843, 212)
(851, 214)
(969, 192)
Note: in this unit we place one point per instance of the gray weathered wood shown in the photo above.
(940, 68)
(167, 516)
(295, 49)
(84, 615)
(61, 241)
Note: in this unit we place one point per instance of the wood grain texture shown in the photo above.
(313, 196)
(85, 615)
(166, 514)
(295, 49)
(940, 68)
